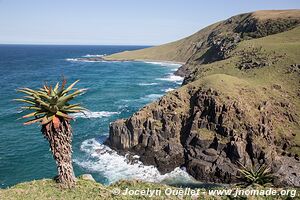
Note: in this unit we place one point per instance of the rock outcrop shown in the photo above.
(239, 103)
(199, 129)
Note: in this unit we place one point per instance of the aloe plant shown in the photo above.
(50, 107)
(261, 175)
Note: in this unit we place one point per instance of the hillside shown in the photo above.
(85, 189)
(47, 189)
(255, 25)
(239, 102)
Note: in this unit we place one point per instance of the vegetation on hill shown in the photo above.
(239, 103)
(248, 25)
(47, 189)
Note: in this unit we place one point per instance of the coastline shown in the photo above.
(178, 175)
(149, 60)
(99, 58)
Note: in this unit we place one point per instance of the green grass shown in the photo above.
(178, 51)
(248, 87)
(85, 189)
(252, 87)
(47, 189)
(205, 134)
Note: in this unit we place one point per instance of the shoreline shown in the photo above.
(129, 157)
(161, 61)
(104, 58)
(150, 61)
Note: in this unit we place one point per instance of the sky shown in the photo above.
(117, 22)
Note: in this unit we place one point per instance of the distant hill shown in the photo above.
(251, 24)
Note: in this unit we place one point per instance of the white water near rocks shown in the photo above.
(102, 159)
(90, 114)
(116, 167)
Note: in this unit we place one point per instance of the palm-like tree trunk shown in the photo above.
(60, 140)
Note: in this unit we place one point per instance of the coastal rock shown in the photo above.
(88, 177)
(197, 129)
(237, 104)
(287, 171)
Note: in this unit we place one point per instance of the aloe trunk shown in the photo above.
(60, 144)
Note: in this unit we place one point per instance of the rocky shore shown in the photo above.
(197, 129)
(239, 103)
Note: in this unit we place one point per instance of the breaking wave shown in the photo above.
(171, 78)
(145, 84)
(114, 167)
(94, 56)
(151, 97)
(168, 89)
(72, 59)
(83, 60)
(165, 64)
(89, 114)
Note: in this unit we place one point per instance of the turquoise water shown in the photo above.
(115, 90)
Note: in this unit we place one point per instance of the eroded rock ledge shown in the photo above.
(207, 132)
(215, 120)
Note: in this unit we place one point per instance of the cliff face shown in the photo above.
(208, 131)
(239, 103)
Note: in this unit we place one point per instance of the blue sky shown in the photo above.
(135, 22)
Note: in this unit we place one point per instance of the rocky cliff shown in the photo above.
(239, 103)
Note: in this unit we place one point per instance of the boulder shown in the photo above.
(87, 177)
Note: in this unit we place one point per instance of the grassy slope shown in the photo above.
(85, 189)
(178, 51)
(222, 75)
(275, 14)
(256, 85)
(47, 189)
(183, 49)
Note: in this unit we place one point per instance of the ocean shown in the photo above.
(115, 90)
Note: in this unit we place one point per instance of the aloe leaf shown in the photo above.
(47, 119)
(26, 92)
(74, 111)
(61, 114)
(61, 101)
(71, 105)
(25, 101)
(74, 108)
(31, 108)
(69, 88)
(34, 114)
(33, 121)
(56, 88)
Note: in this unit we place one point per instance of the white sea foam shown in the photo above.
(94, 56)
(19, 111)
(145, 84)
(172, 78)
(89, 114)
(72, 59)
(83, 60)
(165, 64)
(151, 97)
(101, 159)
(168, 90)
(91, 61)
